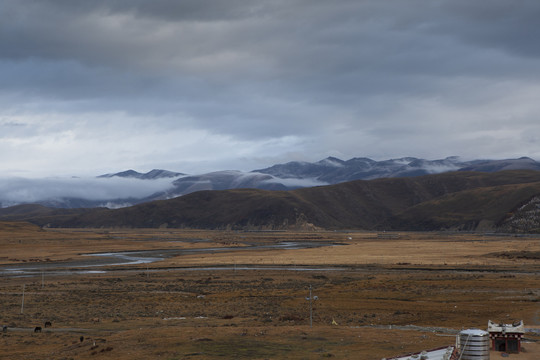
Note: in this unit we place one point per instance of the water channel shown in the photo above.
(96, 262)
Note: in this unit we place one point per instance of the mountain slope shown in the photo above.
(41, 215)
(458, 200)
(333, 170)
(130, 187)
(523, 163)
(242, 208)
(151, 175)
(474, 209)
(387, 203)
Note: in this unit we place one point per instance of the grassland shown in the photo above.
(252, 304)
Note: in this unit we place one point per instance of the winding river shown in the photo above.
(93, 262)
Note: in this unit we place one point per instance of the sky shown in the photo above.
(101, 86)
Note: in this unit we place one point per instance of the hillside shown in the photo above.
(127, 188)
(457, 200)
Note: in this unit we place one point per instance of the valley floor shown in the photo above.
(251, 304)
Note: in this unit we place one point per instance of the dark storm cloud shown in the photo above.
(511, 26)
(307, 78)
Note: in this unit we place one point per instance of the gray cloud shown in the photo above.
(20, 190)
(203, 86)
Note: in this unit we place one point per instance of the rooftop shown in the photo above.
(444, 353)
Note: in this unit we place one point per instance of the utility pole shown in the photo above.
(310, 309)
(311, 298)
(22, 302)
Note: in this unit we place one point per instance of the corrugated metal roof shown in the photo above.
(435, 354)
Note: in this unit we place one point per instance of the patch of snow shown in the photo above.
(331, 162)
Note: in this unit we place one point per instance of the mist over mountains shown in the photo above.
(502, 201)
(130, 187)
(79, 192)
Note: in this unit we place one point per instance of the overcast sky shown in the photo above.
(90, 87)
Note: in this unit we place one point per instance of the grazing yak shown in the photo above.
(48, 324)
(37, 329)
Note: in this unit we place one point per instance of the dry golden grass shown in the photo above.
(20, 242)
(170, 312)
(365, 248)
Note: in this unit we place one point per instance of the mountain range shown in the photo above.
(503, 201)
(151, 175)
(114, 190)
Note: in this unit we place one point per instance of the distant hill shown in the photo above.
(8, 227)
(295, 174)
(333, 170)
(448, 201)
(151, 175)
(39, 214)
(523, 163)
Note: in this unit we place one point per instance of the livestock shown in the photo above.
(37, 329)
(4, 328)
(48, 324)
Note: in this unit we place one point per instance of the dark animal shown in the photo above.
(48, 324)
(37, 329)
(81, 338)
(4, 328)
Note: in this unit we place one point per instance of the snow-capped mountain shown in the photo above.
(332, 170)
(131, 187)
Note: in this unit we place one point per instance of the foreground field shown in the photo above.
(379, 295)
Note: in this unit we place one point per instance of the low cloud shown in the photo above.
(21, 190)
(291, 182)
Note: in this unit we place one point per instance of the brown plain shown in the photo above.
(374, 286)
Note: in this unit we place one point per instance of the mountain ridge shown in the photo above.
(287, 176)
(150, 175)
(450, 201)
